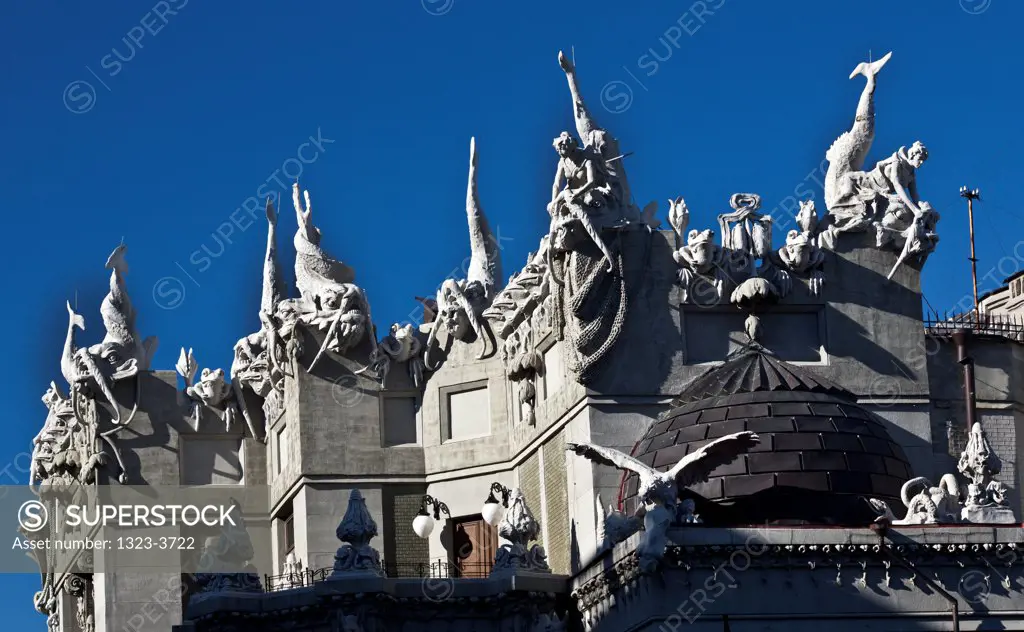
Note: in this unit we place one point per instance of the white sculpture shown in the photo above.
(985, 500)
(986, 497)
(596, 193)
(293, 571)
(519, 527)
(884, 198)
(659, 491)
(801, 254)
(330, 302)
(744, 262)
(210, 391)
(356, 529)
(931, 505)
(701, 259)
(64, 453)
(261, 360)
(120, 355)
(589, 295)
(460, 303)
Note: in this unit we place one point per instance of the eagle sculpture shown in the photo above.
(662, 488)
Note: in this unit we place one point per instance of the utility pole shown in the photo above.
(970, 195)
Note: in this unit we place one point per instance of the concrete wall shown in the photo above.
(460, 370)
(161, 448)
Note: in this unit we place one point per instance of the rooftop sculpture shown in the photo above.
(590, 202)
(884, 199)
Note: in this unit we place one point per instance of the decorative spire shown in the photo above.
(986, 497)
(519, 527)
(231, 551)
(356, 529)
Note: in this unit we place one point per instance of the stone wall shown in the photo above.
(809, 579)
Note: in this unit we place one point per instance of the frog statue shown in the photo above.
(701, 259)
(801, 254)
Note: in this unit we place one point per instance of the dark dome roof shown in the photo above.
(755, 370)
(821, 455)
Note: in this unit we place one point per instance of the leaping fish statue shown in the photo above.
(330, 299)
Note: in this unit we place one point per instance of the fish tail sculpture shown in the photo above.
(273, 287)
(67, 362)
(315, 270)
(485, 258)
(116, 310)
(460, 303)
(273, 291)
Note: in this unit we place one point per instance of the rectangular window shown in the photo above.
(399, 425)
(466, 411)
(280, 448)
(552, 377)
(289, 534)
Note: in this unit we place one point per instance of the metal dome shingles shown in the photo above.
(756, 370)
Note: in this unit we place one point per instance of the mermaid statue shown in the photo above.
(884, 198)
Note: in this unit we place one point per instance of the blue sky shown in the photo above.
(154, 122)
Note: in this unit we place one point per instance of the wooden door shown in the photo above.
(474, 543)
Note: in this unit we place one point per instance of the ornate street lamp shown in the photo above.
(423, 524)
(494, 511)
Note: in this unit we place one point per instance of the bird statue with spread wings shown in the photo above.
(662, 488)
(659, 491)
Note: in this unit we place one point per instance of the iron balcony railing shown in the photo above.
(442, 569)
(1009, 326)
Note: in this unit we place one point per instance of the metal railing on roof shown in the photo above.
(440, 568)
(1009, 326)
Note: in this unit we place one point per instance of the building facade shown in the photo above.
(642, 429)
